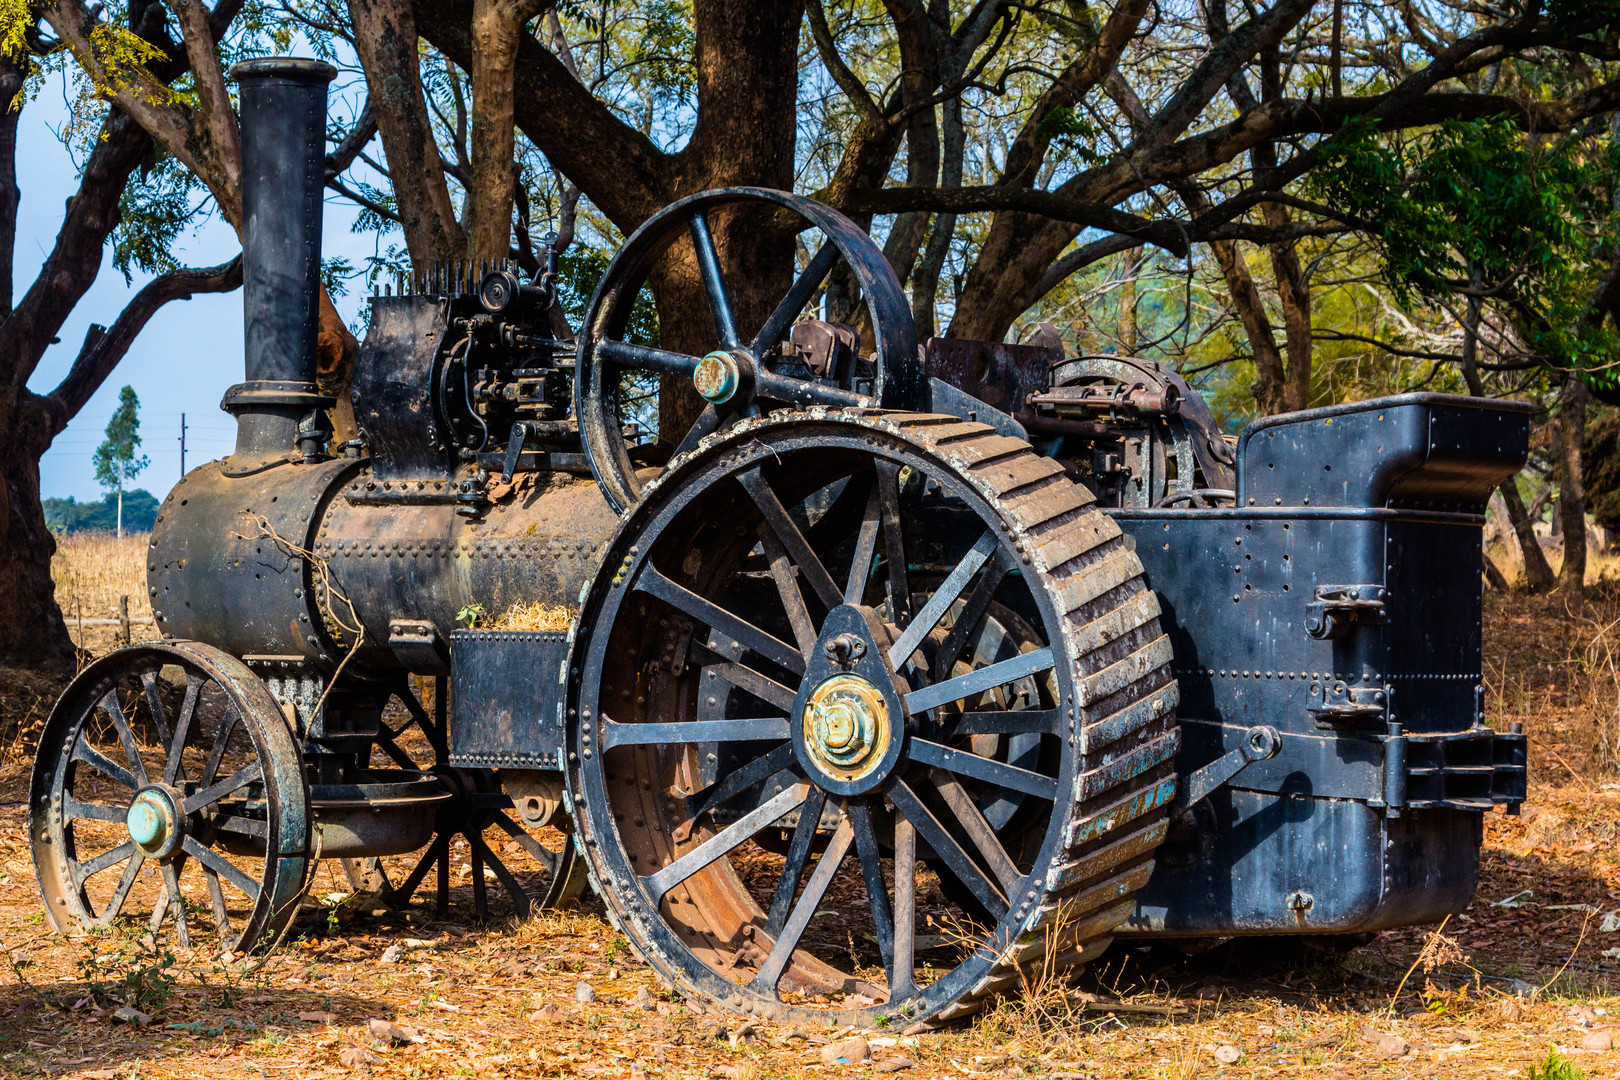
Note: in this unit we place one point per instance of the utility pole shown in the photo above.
(182, 446)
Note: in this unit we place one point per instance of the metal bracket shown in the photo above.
(1338, 704)
(1259, 743)
(416, 644)
(1338, 609)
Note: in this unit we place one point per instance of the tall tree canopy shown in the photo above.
(1292, 201)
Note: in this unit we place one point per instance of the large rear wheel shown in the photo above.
(868, 712)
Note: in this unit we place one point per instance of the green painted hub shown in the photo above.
(846, 726)
(717, 376)
(152, 821)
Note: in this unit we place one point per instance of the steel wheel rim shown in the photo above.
(264, 803)
(630, 898)
(610, 307)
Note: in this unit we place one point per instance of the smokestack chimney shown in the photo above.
(278, 408)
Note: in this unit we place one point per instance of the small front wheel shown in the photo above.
(168, 791)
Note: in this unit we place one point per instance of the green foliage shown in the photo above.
(69, 515)
(116, 459)
(335, 274)
(470, 615)
(1074, 136)
(134, 971)
(1471, 205)
(578, 271)
(152, 211)
(1555, 1067)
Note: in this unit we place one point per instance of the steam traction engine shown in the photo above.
(894, 670)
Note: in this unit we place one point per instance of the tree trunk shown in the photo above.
(32, 632)
(385, 38)
(1130, 265)
(1538, 575)
(497, 26)
(118, 529)
(1571, 490)
(10, 82)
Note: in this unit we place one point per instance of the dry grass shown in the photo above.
(1527, 969)
(533, 617)
(93, 569)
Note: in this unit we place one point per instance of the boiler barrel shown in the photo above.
(242, 563)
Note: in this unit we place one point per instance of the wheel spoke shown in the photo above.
(216, 900)
(859, 816)
(763, 687)
(979, 680)
(214, 792)
(972, 614)
(793, 927)
(938, 604)
(739, 780)
(1010, 722)
(538, 851)
(894, 541)
(222, 738)
(641, 356)
(768, 384)
(89, 868)
(979, 831)
(74, 810)
(174, 769)
(154, 702)
(115, 713)
(707, 421)
(439, 849)
(797, 857)
(475, 855)
(723, 842)
(159, 909)
(902, 973)
(692, 731)
(860, 565)
(787, 531)
(115, 902)
(935, 835)
(89, 755)
(787, 586)
(712, 615)
(964, 763)
(393, 750)
(708, 260)
(171, 883)
(520, 897)
(803, 290)
(223, 867)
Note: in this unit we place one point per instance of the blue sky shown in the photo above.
(188, 354)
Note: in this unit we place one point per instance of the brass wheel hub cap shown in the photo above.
(846, 727)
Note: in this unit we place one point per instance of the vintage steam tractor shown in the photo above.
(892, 670)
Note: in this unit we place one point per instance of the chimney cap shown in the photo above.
(296, 68)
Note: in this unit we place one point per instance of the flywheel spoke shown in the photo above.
(802, 291)
(860, 565)
(989, 770)
(693, 731)
(643, 356)
(154, 702)
(89, 868)
(708, 260)
(174, 769)
(859, 816)
(126, 737)
(106, 766)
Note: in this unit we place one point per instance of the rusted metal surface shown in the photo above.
(997, 374)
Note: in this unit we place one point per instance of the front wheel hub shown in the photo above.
(154, 823)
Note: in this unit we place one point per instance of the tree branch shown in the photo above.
(103, 349)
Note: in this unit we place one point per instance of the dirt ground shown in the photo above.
(1525, 983)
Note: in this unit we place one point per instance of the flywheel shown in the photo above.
(816, 775)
